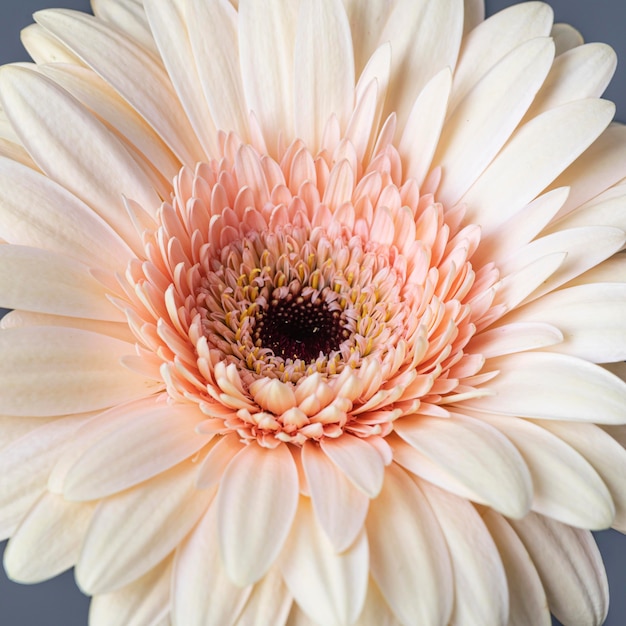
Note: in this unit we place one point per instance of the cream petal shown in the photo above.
(132, 71)
(167, 22)
(340, 508)
(527, 598)
(259, 489)
(376, 611)
(473, 14)
(43, 47)
(425, 38)
(605, 455)
(329, 587)
(212, 467)
(213, 35)
(591, 318)
(269, 602)
(148, 444)
(25, 465)
(75, 149)
(583, 72)
(423, 126)
(266, 45)
(565, 37)
(202, 592)
(409, 558)
(484, 120)
(144, 601)
(36, 211)
(578, 594)
(323, 69)
(75, 371)
(474, 464)
(534, 156)
(493, 39)
(481, 595)
(48, 540)
(359, 461)
(133, 531)
(127, 16)
(566, 487)
(553, 386)
(46, 282)
(516, 337)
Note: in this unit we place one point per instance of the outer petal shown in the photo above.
(259, 489)
(329, 587)
(133, 531)
(144, 601)
(409, 556)
(269, 602)
(578, 594)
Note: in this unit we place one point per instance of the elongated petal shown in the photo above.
(144, 446)
(340, 508)
(329, 587)
(259, 489)
(323, 68)
(579, 594)
(131, 532)
(527, 598)
(144, 601)
(76, 371)
(408, 553)
(553, 386)
(48, 540)
(473, 464)
(269, 602)
(198, 569)
(481, 595)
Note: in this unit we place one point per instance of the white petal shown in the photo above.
(376, 611)
(484, 120)
(527, 599)
(266, 44)
(54, 370)
(493, 39)
(47, 282)
(358, 461)
(480, 588)
(583, 72)
(133, 531)
(329, 587)
(565, 486)
(570, 567)
(323, 69)
(473, 14)
(425, 38)
(202, 591)
(535, 155)
(75, 149)
(132, 71)
(213, 34)
(553, 386)
(25, 465)
(147, 444)
(259, 489)
(590, 316)
(36, 211)
(269, 602)
(215, 462)
(48, 540)
(566, 37)
(516, 337)
(144, 601)
(605, 454)
(423, 126)
(485, 453)
(167, 21)
(340, 508)
(43, 47)
(409, 558)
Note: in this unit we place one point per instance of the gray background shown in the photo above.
(58, 602)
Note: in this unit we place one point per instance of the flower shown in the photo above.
(318, 312)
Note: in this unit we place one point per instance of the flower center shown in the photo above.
(297, 327)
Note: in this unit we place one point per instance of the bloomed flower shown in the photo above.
(318, 312)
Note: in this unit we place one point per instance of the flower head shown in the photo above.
(318, 312)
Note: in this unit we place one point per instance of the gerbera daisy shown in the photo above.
(318, 312)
